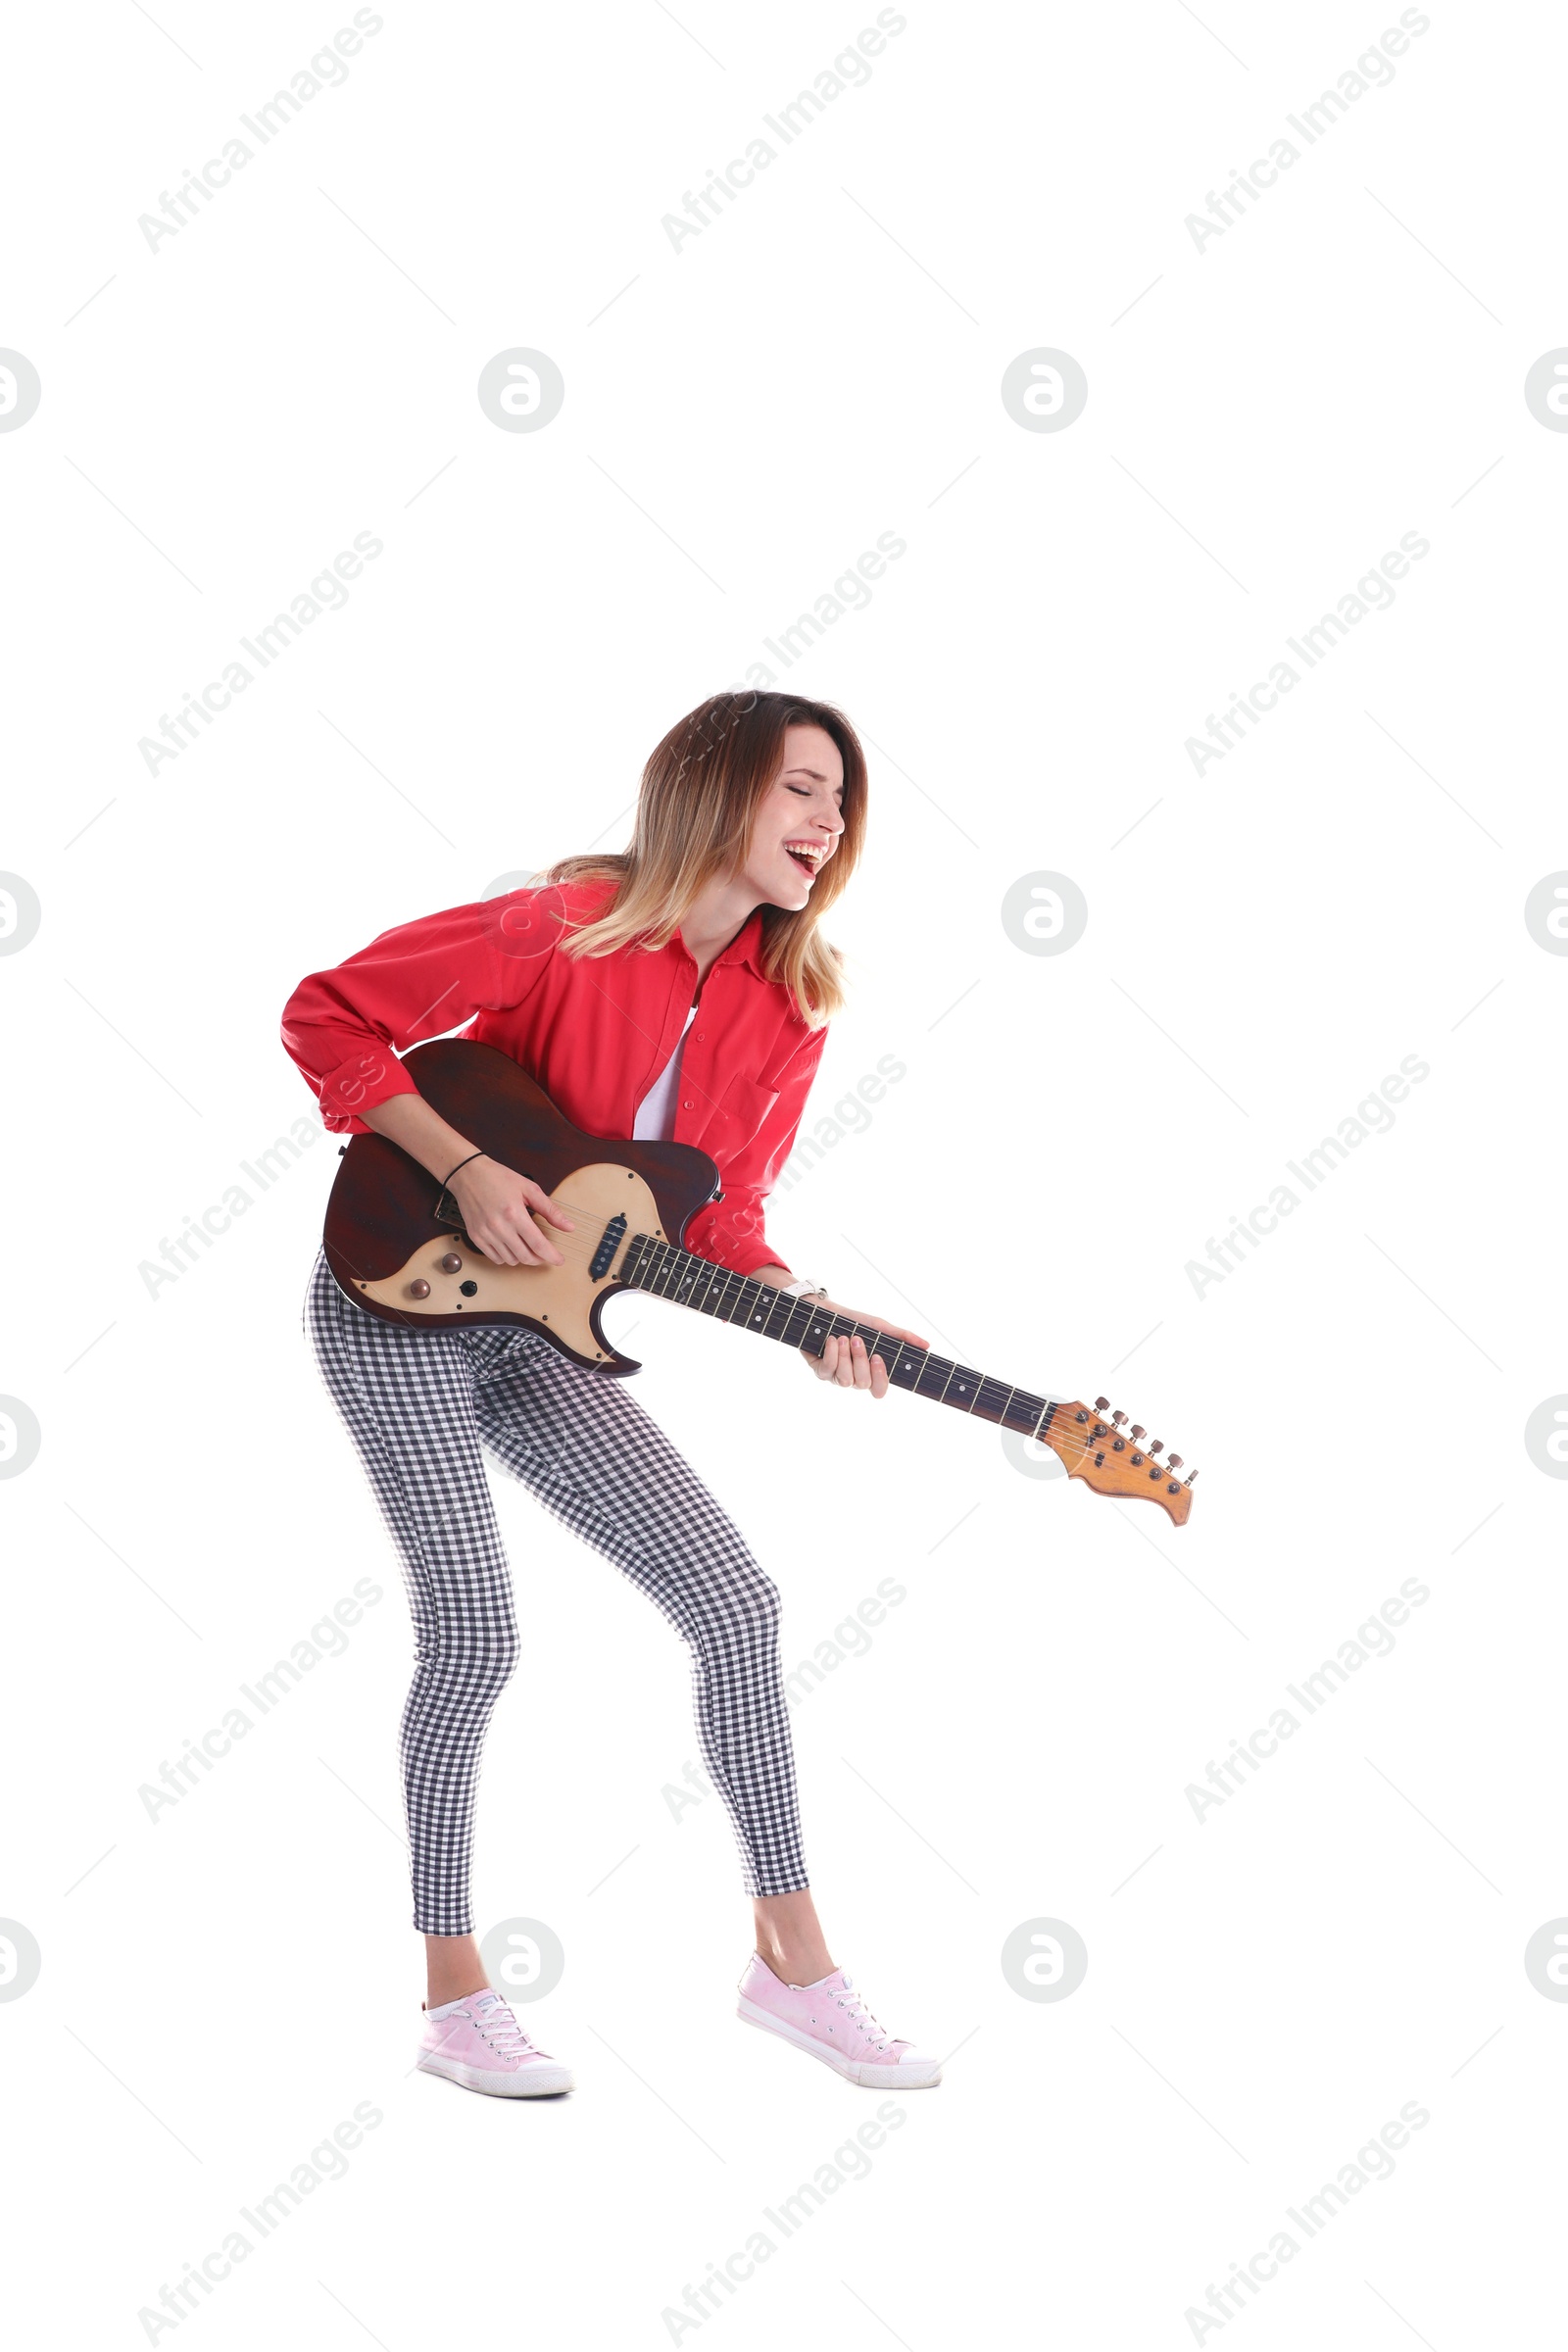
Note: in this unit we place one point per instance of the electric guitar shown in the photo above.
(395, 1242)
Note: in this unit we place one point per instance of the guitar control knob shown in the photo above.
(1173, 1462)
(419, 1289)
(1136, 1429)
(452, 1264)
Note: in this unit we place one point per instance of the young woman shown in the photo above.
(679, 990)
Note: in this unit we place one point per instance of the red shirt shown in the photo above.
(593, 1030)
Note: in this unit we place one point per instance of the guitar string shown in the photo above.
(981, 1381)
(583, 1251)
(579, 1250)
(987, 1386)
(572, 1249)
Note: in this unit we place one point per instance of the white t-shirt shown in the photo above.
(656, 1112)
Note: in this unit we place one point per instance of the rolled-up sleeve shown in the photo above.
(345, 1028)
(732, 1231)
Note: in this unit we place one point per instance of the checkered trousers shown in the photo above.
(423, 1408)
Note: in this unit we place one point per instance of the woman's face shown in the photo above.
(798, 821)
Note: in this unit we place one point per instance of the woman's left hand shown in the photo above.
(846, 1360)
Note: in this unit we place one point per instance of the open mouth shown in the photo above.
(807, 854)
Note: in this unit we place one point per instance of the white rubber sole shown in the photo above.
(922, 2075)
(528, 2082)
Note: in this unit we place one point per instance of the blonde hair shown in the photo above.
(700, 791)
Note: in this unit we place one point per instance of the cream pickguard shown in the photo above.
(448, 1277)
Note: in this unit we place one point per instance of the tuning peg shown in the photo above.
(1118, 1419)
(1100, 1403)
(1173, 1462)
(1136, 1429)
(1156, 1447)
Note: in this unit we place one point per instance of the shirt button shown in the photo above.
(688, 1105)
(697, 1035)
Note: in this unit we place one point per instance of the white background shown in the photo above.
(1266, 416)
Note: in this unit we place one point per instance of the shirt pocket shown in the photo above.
(736, 1117)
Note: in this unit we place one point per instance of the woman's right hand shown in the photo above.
(502, 1214)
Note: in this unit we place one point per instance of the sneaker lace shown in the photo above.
(492, 2017)
(859, 2014)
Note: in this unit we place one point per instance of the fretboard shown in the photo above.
(668, 1272)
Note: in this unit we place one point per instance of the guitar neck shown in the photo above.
(668, 1272)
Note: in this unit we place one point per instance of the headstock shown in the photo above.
(1112, 1455)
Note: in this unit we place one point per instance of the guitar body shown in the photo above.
(390, 1227)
